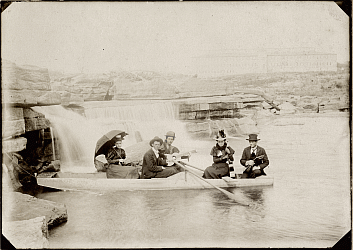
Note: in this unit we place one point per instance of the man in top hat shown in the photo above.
(254, 158)
(154, 162)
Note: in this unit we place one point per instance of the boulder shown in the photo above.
(31, 97)
(287, 108)
(8, 76)
(31, 233)
(12, 96)
(311, 106)
(14, 145)
(33, 85)
(54, 166)
(76, 99)
(11, 114)
(30, 113)
(17, 206)
(33, 74)
(32, 124)
(245, 126)
(51, 98)
(13, 128)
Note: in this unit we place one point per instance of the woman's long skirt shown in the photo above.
(216, 171)
(122, 172)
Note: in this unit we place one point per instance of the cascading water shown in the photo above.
(77, 134)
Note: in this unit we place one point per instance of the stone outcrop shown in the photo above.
(17, 207)
(27, 85)
(31, 233)
(14, 145)
(232, 127)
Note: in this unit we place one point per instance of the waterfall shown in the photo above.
(77, 134)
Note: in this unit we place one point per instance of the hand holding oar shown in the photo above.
(229, 194)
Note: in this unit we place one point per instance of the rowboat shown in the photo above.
(183, 180)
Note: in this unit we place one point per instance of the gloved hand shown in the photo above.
(227, 151)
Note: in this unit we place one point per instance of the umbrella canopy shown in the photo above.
(103, 143)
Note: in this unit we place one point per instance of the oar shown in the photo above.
(229, 194)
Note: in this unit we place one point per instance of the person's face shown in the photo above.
(170, 140)
(156, 145)
(221, 143)
(253, 143)
(118, 144)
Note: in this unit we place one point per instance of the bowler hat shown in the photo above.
(253, 137)
(156, 138)
(170, 134)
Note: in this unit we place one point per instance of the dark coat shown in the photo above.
(260, 151)
(169, 150)
(150, 166)
(117, 169)
(114, 154)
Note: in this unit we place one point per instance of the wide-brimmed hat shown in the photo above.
(170, 134)
(221, 136)
(253, 137)
(156, 138)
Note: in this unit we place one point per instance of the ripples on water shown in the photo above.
(308, 206)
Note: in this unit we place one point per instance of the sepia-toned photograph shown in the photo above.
(176, 124)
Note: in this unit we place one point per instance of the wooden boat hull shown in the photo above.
(99, 182)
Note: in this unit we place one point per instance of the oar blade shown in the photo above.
(230, 195)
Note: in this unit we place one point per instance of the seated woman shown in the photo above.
(222, 154)
(117, 168)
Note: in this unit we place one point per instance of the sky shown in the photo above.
(96, 37)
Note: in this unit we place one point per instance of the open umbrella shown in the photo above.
(103, 143)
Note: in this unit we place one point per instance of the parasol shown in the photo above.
(102, 144)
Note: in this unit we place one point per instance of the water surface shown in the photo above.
(308, 205)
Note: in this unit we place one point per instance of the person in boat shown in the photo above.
(167, 146)
(155, 162)
(117, 168)
(254, 158)
(222, 155)
(171, 151)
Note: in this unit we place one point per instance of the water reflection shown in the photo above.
(308, 206)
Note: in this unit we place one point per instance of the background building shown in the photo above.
(263, 61)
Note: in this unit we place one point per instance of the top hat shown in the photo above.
(253, 137)
(156, 138)
(170, 134)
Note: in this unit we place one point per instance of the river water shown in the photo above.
(308, 206)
